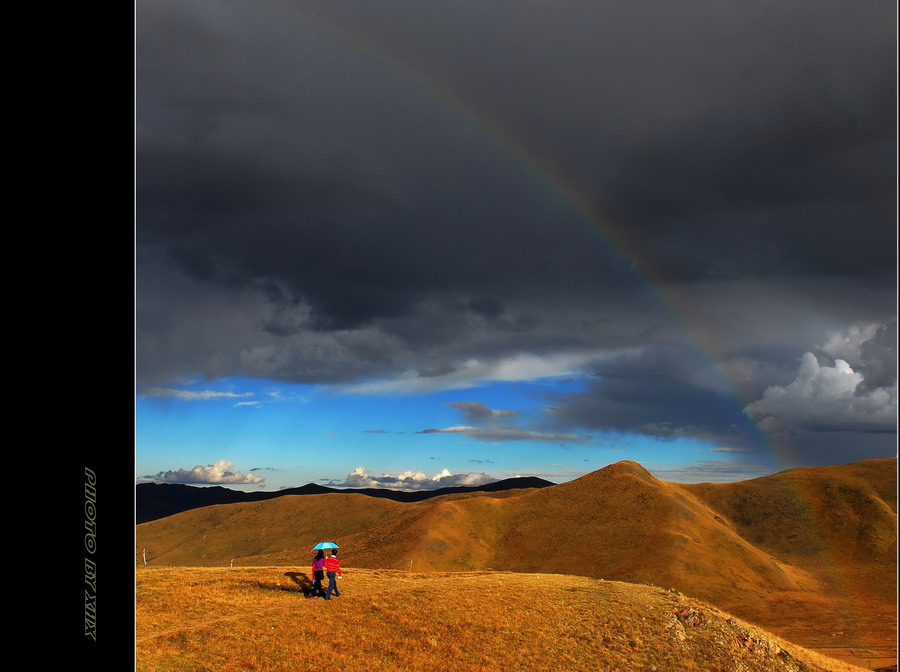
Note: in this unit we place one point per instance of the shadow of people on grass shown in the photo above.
(302, 580)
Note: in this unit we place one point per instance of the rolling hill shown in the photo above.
(808, 553)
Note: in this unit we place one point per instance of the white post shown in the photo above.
(410, 565)
(145, 556)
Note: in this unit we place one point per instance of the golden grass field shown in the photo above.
(257, 619)
(808, 554)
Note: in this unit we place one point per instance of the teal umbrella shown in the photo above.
(325, 544)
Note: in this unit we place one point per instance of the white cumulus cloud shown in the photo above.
(871, 349)
(847, 344)
(827, 398)
(360, 477)
(217, 473)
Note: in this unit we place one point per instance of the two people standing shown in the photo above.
(321, 566)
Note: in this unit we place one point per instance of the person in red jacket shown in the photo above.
(318, 573)
(333, 570)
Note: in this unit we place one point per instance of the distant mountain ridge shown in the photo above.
(160, 500)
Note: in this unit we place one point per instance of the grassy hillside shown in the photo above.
(257, 619)
(809, 553)
(847, 511)
(214, 535)
(840, 525)
(281, 531)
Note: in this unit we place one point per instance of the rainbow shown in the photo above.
(549, 179)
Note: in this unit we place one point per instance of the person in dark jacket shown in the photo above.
(318, 572)
(333, 570)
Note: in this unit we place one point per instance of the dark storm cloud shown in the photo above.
(879, 359)
(345, 189)
(278, 154)
(739, 123)
(354, 191)
(486, 306)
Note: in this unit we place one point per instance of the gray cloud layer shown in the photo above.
(478, 412)
(499, 426)
(355, 191)
(504, 434)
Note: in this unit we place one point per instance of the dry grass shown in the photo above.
(809, 554)
(191, 619)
